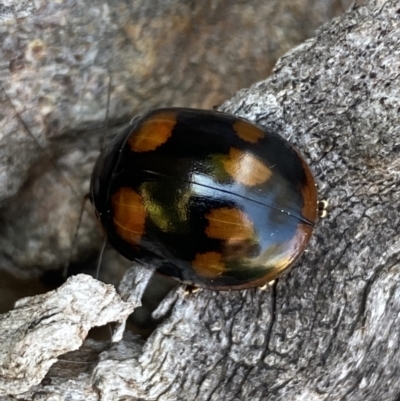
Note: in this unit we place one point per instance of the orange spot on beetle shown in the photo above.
(248, 132)
(208, 264)
(246, 168)
(154, 131)
(129, 214)
(229, 224)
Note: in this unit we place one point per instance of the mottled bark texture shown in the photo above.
(329, 329)
(41, 328)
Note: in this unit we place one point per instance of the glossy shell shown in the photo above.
(208, 198)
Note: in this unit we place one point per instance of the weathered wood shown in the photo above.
(41, 328)
(328, 330)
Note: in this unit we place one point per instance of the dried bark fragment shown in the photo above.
(41, 328)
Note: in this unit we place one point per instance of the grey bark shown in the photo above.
(327, 330)
(41, 328)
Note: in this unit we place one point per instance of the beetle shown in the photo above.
(205, 197)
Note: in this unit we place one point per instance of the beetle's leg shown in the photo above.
(323, 208)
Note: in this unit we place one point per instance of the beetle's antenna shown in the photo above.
(37, 143)
(87, 197)
(107, 114)
(54, 165)
(100, 258)
(71, 249)
(102, 147)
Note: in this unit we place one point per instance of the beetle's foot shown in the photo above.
(266, 285)
(323, 208)
(191, 289)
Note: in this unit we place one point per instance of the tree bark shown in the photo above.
(328, 329)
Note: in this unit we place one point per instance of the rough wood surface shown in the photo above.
(328, 330)
(41, 328)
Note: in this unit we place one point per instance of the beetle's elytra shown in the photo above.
(206, 197)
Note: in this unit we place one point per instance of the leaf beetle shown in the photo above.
(206, 197)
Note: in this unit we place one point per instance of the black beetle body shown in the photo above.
(208, 198)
